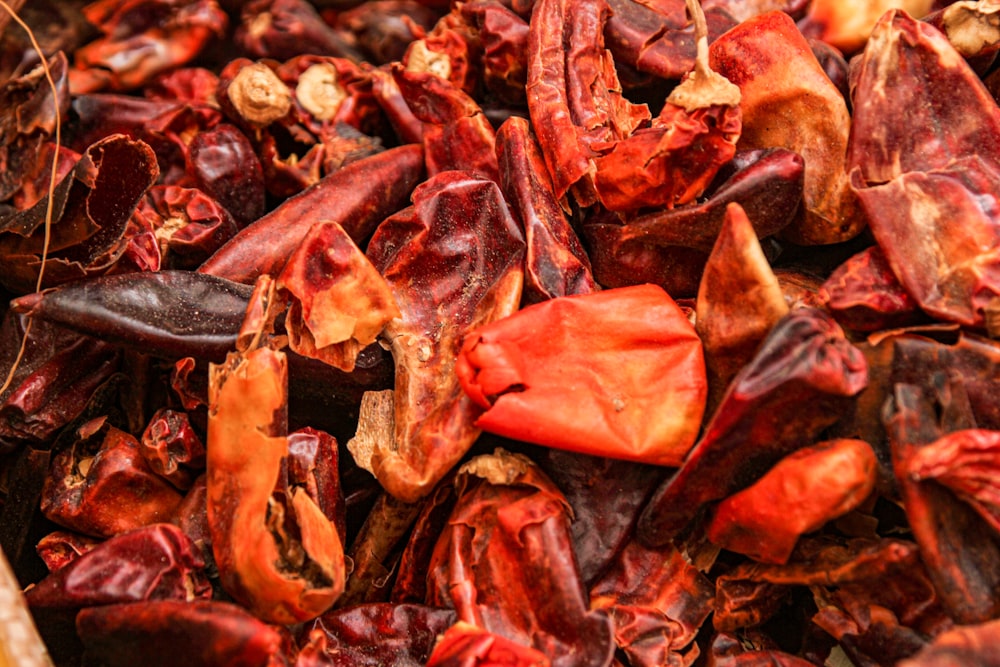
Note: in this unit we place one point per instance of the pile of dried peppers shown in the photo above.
(502, 332)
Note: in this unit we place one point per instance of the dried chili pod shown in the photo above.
(800, 381)
(962, 645)
(328, 91)
(574, 96)
(864, 632)
(187, 224)
(461, 246)
(658, 38)
(92, 207)
(283, 29)
(870, 573)
(27, 121)
(102, 486)
(772, 63)
(53, 384)
(963, 461)
(606, 496)
(766, 183)
(450, 51)
(639, 394)
(657, 602)
(798, 495)
(504, 38)
(972, 27)
(276, 551)
(62, 547)
(142, 38)
(943, 254)
(505, 563)
(682, 150)
(373, 635)
(172, 448)
(456, 134)
(211, 633)
(150, 310)
(383, 29)
(156, 562)
(732, 329)
(339, 302)
(358, 197)
(556, 263)
(465, 645)
(962, 559)
(669, 248)
(864, 294)
(222, 163)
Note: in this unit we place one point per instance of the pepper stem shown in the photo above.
(703, 87)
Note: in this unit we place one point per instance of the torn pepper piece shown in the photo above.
(455, 261)
(505, 562)
(277, 553)
(340, 302)
(930, 185)
(789, 101)
(618, 373)
(798, 495)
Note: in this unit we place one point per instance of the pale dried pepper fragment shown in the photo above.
(339, 302)
(732, 329)
(930, 188)
(277, 553)
(616, 373)
(788, 101)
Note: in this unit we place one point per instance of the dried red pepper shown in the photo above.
(102, 486)
(778, 75)
(798, 495)
(277, 553)
(638, 391)
(461, 245)
(156, 562)
(798, 383)
(941, 251)
(357, 197)
(505, 563)
(212, 632)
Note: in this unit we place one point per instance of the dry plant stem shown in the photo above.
(703, 87)
(20, 644)
(52, 180)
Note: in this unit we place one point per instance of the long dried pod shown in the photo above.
(277, 553)
(357, 197)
